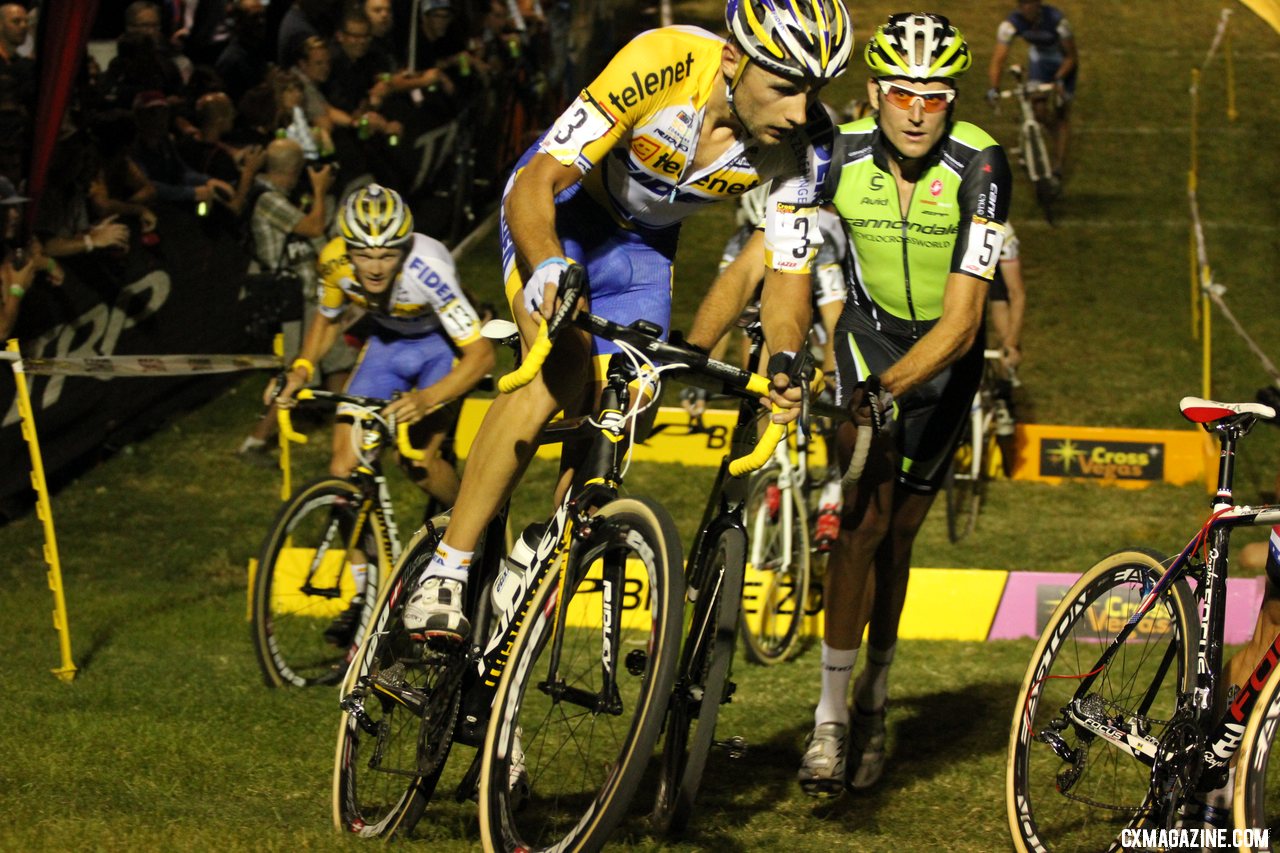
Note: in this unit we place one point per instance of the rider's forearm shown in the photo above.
(950, 338)
(996, 68)
(320, 337)
(785, 311)
(729, 294)
(531, 210)
(477, 360)
(1017, 302)
(830, 316)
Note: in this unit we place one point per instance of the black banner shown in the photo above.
(178, 296)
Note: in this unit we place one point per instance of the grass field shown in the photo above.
(168, 741)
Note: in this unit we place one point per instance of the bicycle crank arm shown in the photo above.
(593, 702)
(415, 701)
(735, 746)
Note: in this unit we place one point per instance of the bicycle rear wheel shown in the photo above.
(581, 746)
(400, 704)
(773, 605)
(702, 685)
(304, 582)
(964, 490)
(1066, 788)
(1256, 804)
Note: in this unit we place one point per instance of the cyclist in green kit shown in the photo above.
(925, 199)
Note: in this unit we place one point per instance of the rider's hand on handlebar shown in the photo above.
(540, 290)
(871, 403)
(284, 387)
(410, 407)
(785, 391)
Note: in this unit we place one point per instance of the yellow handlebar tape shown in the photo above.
(764, 448)
(532, 363)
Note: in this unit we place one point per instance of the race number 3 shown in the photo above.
(982, 248)
(582, 123)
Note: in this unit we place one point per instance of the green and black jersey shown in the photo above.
(898, 267)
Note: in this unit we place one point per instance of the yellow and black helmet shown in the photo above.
(918, 46)
(375, 217)
(798, 39)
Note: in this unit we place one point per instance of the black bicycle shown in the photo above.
(714, 577)
(564, 650)
(310, 607)
(1123, 721)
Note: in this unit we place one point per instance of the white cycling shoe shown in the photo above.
(822, 770)
(866, 749)
(434, 611)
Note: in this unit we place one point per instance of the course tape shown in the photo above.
(144, 365)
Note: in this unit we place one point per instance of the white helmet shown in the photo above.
(799, 39)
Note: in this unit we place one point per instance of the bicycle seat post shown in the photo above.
(1229, 432)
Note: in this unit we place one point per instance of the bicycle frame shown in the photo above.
(1031, 132)
(1226, 732)
(791, 480)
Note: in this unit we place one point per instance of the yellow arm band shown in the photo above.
(306, 365)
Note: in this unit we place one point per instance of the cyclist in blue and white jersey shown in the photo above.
(1053, 58)
(426, 345)
(680, 118)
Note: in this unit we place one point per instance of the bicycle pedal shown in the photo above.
(735, 746)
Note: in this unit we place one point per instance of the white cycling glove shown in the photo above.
(548, 272)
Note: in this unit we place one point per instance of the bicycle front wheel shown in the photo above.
(580, 705)
(773, 605)
(304, 583)
(400, 705)
(1068, 789)
(702, 686)
(1256, 804)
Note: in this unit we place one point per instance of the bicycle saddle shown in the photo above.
(1201, 411)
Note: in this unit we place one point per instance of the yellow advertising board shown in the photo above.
(1131, 458)
(675, 438)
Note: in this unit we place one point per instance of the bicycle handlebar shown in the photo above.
(285, 421)
(572, 283)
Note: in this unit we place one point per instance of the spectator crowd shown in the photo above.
(217, 105)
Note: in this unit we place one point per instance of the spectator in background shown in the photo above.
(356, 86)
(291, 118)
(204, 27)
(65, 220)
(140, 63)
(381, 19)
(206, 151)
(22, 264)
(120, 187)
(285, 233)
(157, 154)
(21, 71)
(243, 62)
(305, 19)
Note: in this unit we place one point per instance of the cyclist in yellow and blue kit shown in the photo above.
(678, 119)
(426, 345)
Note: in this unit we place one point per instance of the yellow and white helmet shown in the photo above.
(375, 217)
(918, 46)
(798, 39)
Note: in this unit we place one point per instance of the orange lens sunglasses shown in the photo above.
(903, 97)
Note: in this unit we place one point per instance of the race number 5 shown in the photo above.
(982, 247)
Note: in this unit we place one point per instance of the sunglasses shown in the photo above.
(903, 97)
